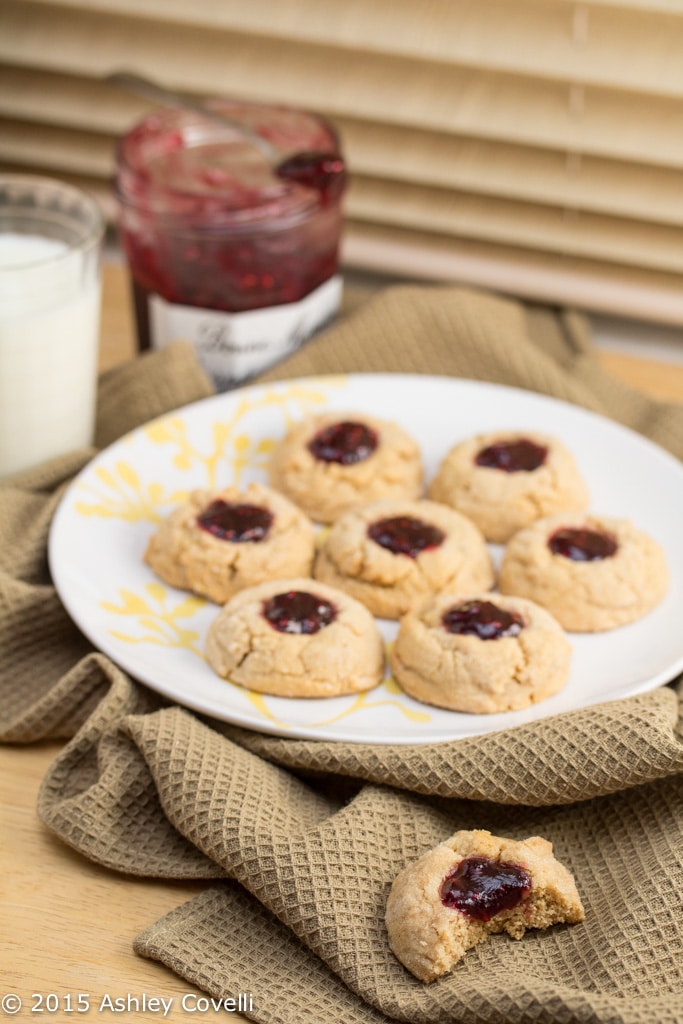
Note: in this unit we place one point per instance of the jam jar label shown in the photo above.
(235, 346)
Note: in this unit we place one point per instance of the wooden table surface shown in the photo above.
(68, 925)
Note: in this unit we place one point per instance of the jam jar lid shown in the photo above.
(177, 164)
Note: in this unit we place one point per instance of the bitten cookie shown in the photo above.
(332, 462)
(592, 572)
(506, 480)
(391, 553)
(296, 638)
(221, 541)
(480, 654)
(472, 886)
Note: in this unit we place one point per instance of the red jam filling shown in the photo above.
(582, 544)
(404, 535)
(483, 619)
(481, 888)
(324, 172)
(345, 443)
(522, 456)
(206, 221)
(241, 524)
(297, 611)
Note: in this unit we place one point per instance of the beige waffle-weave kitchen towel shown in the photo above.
(305, 837)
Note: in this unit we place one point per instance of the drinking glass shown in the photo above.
(50, 274)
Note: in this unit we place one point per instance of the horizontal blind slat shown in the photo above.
(375, 149)
(439, 212)
(390, 90)
(627, 49)
(530, 225)
(563, 280)
(477, 156)
(606, 288)
(46, 146)
(66, 100)
(500, 169)
(651, 6)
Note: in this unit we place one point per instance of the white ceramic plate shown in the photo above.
(157, 633)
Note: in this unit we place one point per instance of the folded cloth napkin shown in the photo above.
(303, 838)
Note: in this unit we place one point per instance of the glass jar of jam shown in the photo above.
(224, 249)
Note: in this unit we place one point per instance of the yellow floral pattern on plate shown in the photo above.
(124, 496)
(230, 444)
(160, 621)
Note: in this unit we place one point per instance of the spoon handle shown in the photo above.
(157, 94)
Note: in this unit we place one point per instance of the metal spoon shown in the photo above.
(323, 171)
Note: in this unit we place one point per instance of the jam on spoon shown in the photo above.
(297, 611)
(483, 619)
(521, 456)
(239, 523)
(405, 535)
(481, 888)
(346, 443)
(323, 171)
(581, 544)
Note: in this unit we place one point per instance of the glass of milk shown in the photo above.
(50, 246)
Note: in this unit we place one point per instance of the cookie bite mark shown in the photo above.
(391, 554)
(582, 544)
(481, 887)
(346, 443)
(478, 655)
(406, 535)
(333, 462)
(482, 619)
(520, 456)
(470, 887)
(298, 611)
(296, 638)
(591, 572)
(235, 522)
(507, 480)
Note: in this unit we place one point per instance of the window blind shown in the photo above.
(534, 146)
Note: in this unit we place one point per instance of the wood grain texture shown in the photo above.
(67, 924)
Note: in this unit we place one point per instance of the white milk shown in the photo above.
(49, 315)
